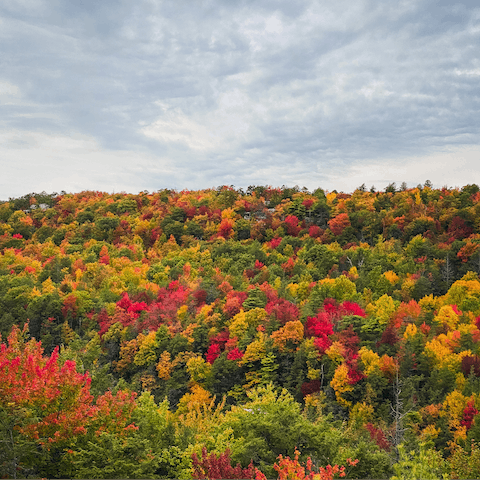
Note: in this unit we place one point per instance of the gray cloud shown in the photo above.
(199, 94)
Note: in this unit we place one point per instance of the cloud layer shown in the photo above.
(146, 95)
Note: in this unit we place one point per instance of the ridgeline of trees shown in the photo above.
(178, 334)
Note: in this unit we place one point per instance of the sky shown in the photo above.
(135, 95)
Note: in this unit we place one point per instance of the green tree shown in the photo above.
(425, 463)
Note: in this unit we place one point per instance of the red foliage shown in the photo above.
(425, 329)
(337, 311)
(319, 326)
(269, 291)
(235, 354)
(259, 265)
(174, 285)
(377, 435)
(275, 242)
(190, 212)
(350, 341)
(330, 306)
(213, 352)
(456, 310)
(226, 228)
(54, 400)
(217, 345)
(339, 223)
(204, 210)
(162, 310)
(322, 344)
(105, 259)
(406, 311)
(221, 338)
(308, 388)
(471, 364)
(154, 235)
(131, 307)
(465, 253)
(78, 264)
(293, 469)
(468, 415)
(70, 307)
(147, 216)
(215, 215)
(200, 297)
(291, 225)
(389, 336)
(308, 202)
(315, 231)
(234, 303)
(219, 467)
(288, 265)
(283, 310)
(352, 308)
(120, 316)
(249, 273)
(458, 229)
(354, 374)
(225, 287)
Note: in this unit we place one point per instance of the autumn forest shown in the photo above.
(229, 333)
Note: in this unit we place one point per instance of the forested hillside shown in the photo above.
(139, 330)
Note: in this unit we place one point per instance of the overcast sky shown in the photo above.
(133, 95)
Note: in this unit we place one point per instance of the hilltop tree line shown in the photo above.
(176, 334)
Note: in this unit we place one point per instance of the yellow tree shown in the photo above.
(448, 316)
(256, 350)
(382, 309)
(370, 360)
(128, 349)
(341, 384)
(165, 366)
(147, 344)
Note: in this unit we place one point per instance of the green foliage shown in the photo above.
(256, 299)
(18, 454)
(268, 425)
(465, 462)
(426, 463)
(111, 456)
